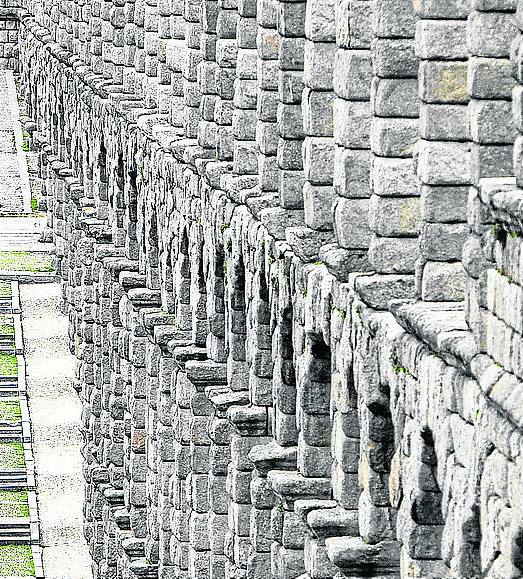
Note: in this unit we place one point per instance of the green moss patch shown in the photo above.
(10, 411)
(11, 455)
(14, 504)
(16, 561)
(25, 261)
(5, 289)
(8, 364)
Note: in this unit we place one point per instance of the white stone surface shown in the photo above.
(15, 193)
(55, 420)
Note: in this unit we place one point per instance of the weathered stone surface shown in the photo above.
(307, 346)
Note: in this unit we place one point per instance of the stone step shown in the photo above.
(14, 479)
(14, 524)
(7, 346)
(15, 539)
(18, 530)
(8, 390)
(11, 431)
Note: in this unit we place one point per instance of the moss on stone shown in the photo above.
(10, 411)
(14, 504)
(16, 561)
(8, 364)
(12, 455)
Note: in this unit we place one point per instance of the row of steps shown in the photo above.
(18, 530)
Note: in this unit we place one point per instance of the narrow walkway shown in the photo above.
(15, 192)
(41, 482)
(55, 412)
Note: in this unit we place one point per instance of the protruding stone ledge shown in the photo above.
(122, 519)
(249, 420)
(378, 290)
(355, 557)
(342, 262)
(504, 199)
(443, 328)
(222, 398)
(307, 242)
(272, 456)
(291, 486)
(141, 569)
(144, 298)
(206, 373)
(277, 220)
(334, 522)
(131, 279)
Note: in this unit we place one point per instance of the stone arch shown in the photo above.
(216, 343)
(100, 180)
(235, 318)
(420, 517)
(181, 268)
(313, 370)
(198, 295)
(259, 342)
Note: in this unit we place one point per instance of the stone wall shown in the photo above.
(289, 236)
(9, 29)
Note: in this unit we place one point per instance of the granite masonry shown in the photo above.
(290, 239)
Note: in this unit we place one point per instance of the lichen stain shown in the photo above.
(451, 84)
(410, 215)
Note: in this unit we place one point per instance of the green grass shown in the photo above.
(7, 330)
(8, 364)
(16, 561)
(5, 289)
(6, 326)
(25, 261)
(25, 143)
(11, 455)
(14, 504)
(10, 411)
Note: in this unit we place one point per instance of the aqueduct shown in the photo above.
(289, 241)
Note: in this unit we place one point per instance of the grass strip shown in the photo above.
(25, 261)
(12, 455)
(14, 504)
(16, 561)
(7, 327)
(10, 411)
(8, 364)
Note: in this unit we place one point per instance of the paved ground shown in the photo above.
(55, 417)
(15, 194)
